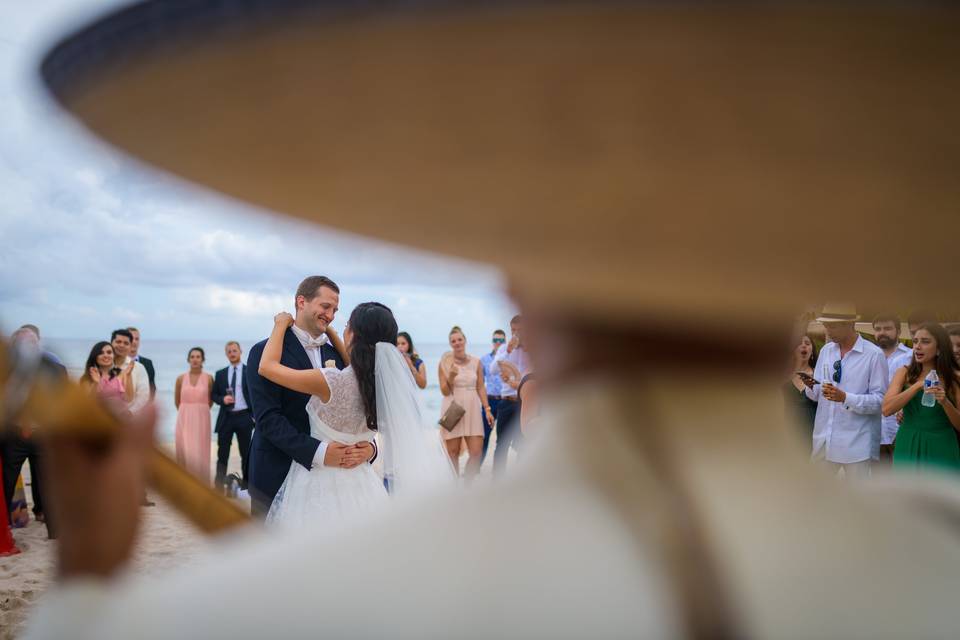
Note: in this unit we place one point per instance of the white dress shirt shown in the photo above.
(901, 357)
(518, 358)
(141, 386)
(312, 346)
(850, 431)
(239, 402)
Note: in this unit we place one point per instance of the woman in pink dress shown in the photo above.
(193, 400)
(461, 379)
(105, 379)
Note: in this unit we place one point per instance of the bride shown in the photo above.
(376, 393)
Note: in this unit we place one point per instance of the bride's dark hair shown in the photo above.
(370, 322)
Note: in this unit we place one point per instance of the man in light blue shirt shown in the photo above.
(494, 385)
(851, 375)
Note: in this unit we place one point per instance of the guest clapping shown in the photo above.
(122, 341)
(193, 400)
(419, 370)
(104, 378)
(461, 382)
(927, 435)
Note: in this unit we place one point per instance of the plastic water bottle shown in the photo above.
(931, 380)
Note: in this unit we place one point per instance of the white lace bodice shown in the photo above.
(343, 414)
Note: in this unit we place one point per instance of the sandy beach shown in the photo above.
(166, 541)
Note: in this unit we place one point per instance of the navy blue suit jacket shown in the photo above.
(220, 383)
(283, 429)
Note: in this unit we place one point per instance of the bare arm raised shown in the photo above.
(897, 397)
(311, 381)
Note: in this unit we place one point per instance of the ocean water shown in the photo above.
(170, 360)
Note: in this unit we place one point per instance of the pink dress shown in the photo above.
(193, 427)
(111, 389)
(465, 393)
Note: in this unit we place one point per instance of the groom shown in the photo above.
(283, 429)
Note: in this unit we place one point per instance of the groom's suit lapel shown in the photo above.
(295, 351)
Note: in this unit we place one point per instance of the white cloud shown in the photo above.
(91, 241)
(247, 303)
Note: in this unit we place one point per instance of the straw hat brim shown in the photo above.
(835, 319)
(627, 158)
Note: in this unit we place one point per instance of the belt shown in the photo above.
(509, 398)
(238, 411)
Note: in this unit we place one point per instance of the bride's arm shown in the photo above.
(309, 381)
(337, 343)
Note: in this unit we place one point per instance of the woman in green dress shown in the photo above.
(927, 435)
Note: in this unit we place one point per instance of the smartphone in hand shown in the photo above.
(807, 379)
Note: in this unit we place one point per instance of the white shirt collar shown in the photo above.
(308, 341)
(858, 345)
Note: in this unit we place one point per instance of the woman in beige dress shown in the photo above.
(461, 379)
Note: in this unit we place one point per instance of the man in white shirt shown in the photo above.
(517, 365)
(851, 378)
(886, 331)
(146, 362)
(122, 340)
(230, 392)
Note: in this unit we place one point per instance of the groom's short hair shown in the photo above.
(311, 285)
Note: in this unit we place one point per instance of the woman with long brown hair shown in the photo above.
(800, 408)
(927, 435)
(108, 381)
(191, 395)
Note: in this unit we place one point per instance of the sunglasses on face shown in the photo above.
(499, 340)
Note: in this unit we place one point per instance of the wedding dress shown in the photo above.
(413, 455)
(329, 494)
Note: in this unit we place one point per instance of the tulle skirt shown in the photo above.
(326, 495)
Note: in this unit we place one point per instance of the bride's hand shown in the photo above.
(284, 319)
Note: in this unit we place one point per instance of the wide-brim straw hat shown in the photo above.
(838, 312)
(629, 159)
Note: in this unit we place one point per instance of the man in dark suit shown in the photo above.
(146, 362)
(283, 429)
(19, 445)
(231, 392)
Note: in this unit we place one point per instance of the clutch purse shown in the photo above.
(452, 416)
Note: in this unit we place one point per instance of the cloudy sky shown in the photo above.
(92, 241)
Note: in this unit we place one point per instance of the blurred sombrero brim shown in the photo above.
(632, 158)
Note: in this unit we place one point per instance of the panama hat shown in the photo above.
(635, 158)
(833, 312)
